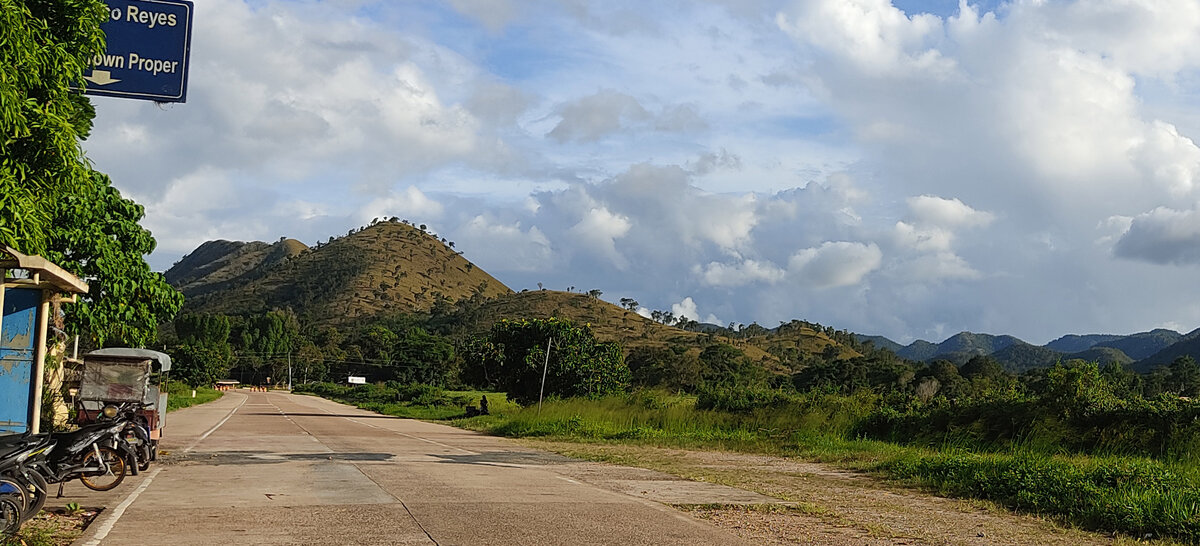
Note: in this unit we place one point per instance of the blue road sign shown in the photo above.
(148, 45)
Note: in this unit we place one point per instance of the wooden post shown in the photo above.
(39, 368)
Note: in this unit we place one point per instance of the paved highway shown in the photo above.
(273, 468)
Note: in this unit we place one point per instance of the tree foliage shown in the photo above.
(578, 364)
(45, 45)
(97, 237)
(51, 202)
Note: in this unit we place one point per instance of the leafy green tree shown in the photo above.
(51, 202)
(97, 236)
(578, 364)
(45, 45)
(1185, 376)
(265, 343)
(726, 365)
(204, 354)
(673, 368)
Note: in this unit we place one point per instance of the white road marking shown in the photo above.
(106, 526)
(216, 426)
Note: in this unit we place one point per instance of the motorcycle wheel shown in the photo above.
(103, 481)
(15, 492)
(10, 518)
(39, 491)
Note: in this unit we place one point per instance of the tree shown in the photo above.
(578, 364)
(51, 202)
(44, 48)
(673, 368)
(97, 237)
(629, 304)
(203, 355)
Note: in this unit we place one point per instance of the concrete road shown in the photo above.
(273, 468)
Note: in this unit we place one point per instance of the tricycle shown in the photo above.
(128, 383)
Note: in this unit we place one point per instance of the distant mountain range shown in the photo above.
(1141, 351)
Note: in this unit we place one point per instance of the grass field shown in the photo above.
(1136, 495)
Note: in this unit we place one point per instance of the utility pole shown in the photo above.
(289, 371)
(545, 366)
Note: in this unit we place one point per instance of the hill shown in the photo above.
(392, 267)
(612, 323)
(958, 348)
(1022, 356)
(382, 269)
(1102, 356)
(1188, 345)
(1073, 343)
(216, 265)
(880, 342)
(1144, 344)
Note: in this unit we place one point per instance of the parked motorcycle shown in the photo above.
(20, 485)
(88, 454)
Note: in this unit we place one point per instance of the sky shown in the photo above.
(910, 169)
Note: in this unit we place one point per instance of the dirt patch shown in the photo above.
(822, 504)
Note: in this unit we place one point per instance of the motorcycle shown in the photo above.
(88, 454)
(134, 439)
(23, 490)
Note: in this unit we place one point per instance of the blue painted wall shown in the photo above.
(18, 333)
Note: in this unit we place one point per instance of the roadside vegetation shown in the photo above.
(179, 395)
(1097, 447)
(1100, 447)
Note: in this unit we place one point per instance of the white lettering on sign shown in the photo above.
(149, 18)
(115, 14)
(108, 61)
(155, 66)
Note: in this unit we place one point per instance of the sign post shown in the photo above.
(148, 45)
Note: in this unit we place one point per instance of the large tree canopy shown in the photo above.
(45, 45)
(51, 202)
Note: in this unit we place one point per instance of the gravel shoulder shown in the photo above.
(819, 504)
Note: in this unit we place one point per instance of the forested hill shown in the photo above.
(1143, 350)
(387, 268)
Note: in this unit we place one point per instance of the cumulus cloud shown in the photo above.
(951, 171)
(739, 274)
(1162, 236)
(409, 202)
(835, 263)
(938, 211)
(606, 112)
(505, 246)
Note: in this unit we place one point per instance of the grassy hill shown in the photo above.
(612, 323)
(386, 268)
(392, 267)
(218, 265)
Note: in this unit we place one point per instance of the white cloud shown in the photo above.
(505, 246)
(834, 264)
(933, 210)
(599, 229)
(410, 202)
(739, 274)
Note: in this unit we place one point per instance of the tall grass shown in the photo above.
(1006, 450)
(1136, 494)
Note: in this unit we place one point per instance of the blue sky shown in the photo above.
(911, 169)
